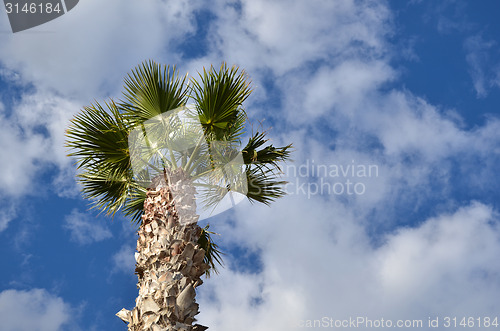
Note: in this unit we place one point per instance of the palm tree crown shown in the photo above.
(99, 139)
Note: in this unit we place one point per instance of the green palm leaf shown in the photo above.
(263, 185)
(134, 205)
(97, 138)
(212, 252)
(152, 89)
(219, 96)
(268, 156)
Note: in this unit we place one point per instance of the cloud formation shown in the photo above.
(478, 58)
(31, 140)
(87, 58)
(33, 310)
(7, 214)
(315, 266)
(85, 230)
(124, 260)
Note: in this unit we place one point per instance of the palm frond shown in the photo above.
(152, 89)
(266, 156)
(134, 206)
(263, 185)
(97, 137)
(219, 96)
(106, 191)
(212, 252)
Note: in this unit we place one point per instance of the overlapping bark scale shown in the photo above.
(169, 262)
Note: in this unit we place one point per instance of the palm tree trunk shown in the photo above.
(169, 260)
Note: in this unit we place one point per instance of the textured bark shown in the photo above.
(169, 260)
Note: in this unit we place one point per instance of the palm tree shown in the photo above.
(160, 186)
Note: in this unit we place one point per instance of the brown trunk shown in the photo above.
(169, 260)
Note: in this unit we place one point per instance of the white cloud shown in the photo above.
(19, 156)
(124, 260)
(417, 147)
(85, 229)
(478, 59)
(10, 76)
(335, 118)
(7, 213)
(342, 87)
(33, 310)
(288, 39)
(50, 113)
(407, 124)
(497, 78)
(32, 138)
(348, 96)
(271, 39)
(86, 52)
(445, 258)
(314, 265)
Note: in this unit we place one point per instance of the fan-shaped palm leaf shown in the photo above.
(268, 156)
(97, 138)
(218, 97)
(212, 252)
(152, 89)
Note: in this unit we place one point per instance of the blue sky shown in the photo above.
(410, 87)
